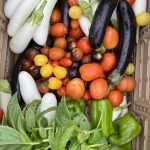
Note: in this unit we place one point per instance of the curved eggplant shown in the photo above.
(100, 21)
(127, 32)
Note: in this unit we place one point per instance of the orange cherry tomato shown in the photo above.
(65, 62)
(74, 24)
(62, 91)
(98, 88)
(84, 44)
(60, 42)
(115, 97)
(127, 84)
(65, 81)
(73, 2)
(42, 86)
(108, 62)
(76, 33)
(55, 63)
(56, 16)
(44, 50)
(58, 29)
(75, 88)
(111, 38)
(131, 2)
(87, 95)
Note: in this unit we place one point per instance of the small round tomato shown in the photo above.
(77, 54)
(42, 86)
(60, 72)
(31, 53)
(56, 16)
(55, 63)
(60, 42)
(58, 29)
(46, 70)
(65, 81)
(62, 91)
(143, 19)
(35, 72)
(73, 2)
(54, 83)
(65, 62)
(111, 38)
(130, 69)
(108, 62)
(71, 45)
(68, 55)
(26, 64)
(87, 95)
(75, 88)
(75, 12)
(44, 50)
(98, 88)
(127, 84)
(40, 60)
(74, 24)
(84, 44)
(1, 115)
(76, 33)
(131, 2)
(115, 97)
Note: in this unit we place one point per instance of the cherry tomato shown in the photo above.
(131, 2)
(65, 62)
(62, 91)
(45, 50)
(98, 88)
(60, 42)
(35, 72)
(77, 54)
(31, 53)
(1, 115)
(75, 88)
(75, 12)
(87, 95)
(108, 62)
(111, 38)
(71, 45)
(65, 81)
(26, 64)
(73, 2)
(58, 29)
(42, 86)
(84, 44)
(115, 97)
(68, 55)
(127, 84)
(74, 24)
(56, 16)
(55, 63)
(76, 33)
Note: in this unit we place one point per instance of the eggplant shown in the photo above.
(100, 21)
(64, 6)
(127, 33)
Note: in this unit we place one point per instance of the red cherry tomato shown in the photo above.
(87, 95)
(1, 115)
(65, 81)
(65, 62)
(76, 33)
(62, 91)
(131, 2)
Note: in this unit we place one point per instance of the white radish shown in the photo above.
(10, 7)
(41, 33)
(22, 38)
(20, 16)
(28, 88)
(139, 6)
(49, 100)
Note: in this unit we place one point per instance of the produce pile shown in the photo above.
(69, 86)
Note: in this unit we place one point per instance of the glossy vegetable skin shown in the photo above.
(127, 33)
(127, 128)
(101, 114)
(100, 21)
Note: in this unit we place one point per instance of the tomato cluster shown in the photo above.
(71, 67)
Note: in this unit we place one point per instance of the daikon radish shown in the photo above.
(10, 7)
(41, 33)
(22, 38)
(21, 15)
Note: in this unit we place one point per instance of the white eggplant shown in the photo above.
(114, 15)
(49, 100)
(23, 37)
(139, 6)
(21, 15)
(94, 7)
(10, 7)
(41, 33)
(28, 88)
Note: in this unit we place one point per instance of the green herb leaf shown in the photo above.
(43, 133)
(5, 86)
(82, 137)
(74, 144)
(115, 24)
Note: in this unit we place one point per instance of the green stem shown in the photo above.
(96, 145)
(137, 34)
(125, 106)
(99, 122)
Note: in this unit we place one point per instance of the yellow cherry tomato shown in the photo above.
(60, 72)
(54, 83)
(46, 70)
(40, 60)
(75, 12)
(143, 19)
(130, 69)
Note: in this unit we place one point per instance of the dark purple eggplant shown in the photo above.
(100, 21)
(64, 6)
(127, 32)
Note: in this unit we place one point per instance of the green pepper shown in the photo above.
(127, 128)
(101, 116)
(78, 105)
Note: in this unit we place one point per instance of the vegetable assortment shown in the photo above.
(73, 74)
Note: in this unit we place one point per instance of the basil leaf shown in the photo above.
(5, 86)
(74, 145)
(84, 146)
(43, 133)
(62, 113)
(82, 137)
(115, 24)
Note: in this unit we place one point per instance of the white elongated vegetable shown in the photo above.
(114, 15)
(49, 100)
(41, 33)
(94, 7)
(121, 110)
(22, 38)
(10, 7)
(20, 16)
(139, 6)
(28, 88)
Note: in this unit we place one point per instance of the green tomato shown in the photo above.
(130, 69)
